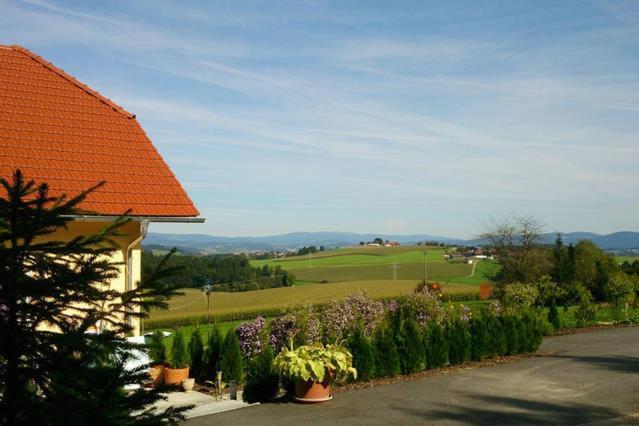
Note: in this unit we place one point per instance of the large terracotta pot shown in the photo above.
(175, 376)
(157, 374)
(312, 392)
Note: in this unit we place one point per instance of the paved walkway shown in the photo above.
(584, 378)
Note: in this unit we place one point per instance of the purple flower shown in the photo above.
(250, 336)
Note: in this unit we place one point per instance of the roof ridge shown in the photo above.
(70, 79)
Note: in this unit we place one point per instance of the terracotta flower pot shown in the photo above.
(174, 376)
(313, 392)
(156, 373)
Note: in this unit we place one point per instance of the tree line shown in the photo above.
(228, 272)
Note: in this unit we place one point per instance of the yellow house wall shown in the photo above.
(131, 232)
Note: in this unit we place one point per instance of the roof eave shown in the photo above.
(165, 219)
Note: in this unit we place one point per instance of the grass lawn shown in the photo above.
(194, 303)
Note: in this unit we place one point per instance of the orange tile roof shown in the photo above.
(60, 131)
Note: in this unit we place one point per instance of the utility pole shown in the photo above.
(395, 270)
(425, 268)
(207, 289)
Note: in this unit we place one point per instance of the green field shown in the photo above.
(337, 273)
(194, 303)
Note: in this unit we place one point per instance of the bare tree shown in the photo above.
(516, 243)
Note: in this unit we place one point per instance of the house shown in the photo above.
(59, 131)
(391, 243)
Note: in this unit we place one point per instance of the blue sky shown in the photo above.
(387, 117)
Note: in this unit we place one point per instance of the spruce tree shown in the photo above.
(196, 352)
(553, 315)
(213, 352)
(262, 382)
(231, 360)
(363, 355)
(411, 347)
(47, 284)
(387, 362)
(437, 346)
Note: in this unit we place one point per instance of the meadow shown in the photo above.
(381, 271)
(193, 302)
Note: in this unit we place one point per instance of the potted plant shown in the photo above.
(314, 368)
(157, 353)
(178, 369)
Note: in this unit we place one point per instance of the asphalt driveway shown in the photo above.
(582, 378)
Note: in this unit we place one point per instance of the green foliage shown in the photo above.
(459, 342)
(262, 382)
(225, 272)
(436, 346)
(553, 315)
(497, 332)
(231, 360)
(363, 355)
(213, 352)
(480, 338)
(520, 295)
(387, 363)
(196, 352)
(511, 331)
(313, 362)
(157, 350)
(584, 313)
(180, 358)
(47, 283)
(410, 345)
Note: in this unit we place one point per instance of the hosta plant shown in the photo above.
(315, 363)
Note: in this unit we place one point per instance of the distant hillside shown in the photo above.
(214, 244)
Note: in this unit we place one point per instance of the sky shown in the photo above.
(392, 117)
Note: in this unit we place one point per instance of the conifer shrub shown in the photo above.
(157, 350)
(553, 315)
(213, 353)
(196, 352)
(387, 362)
(363, 355)
(410, 345)
(534, 331)
(511, 331)
(498, 340)
(481, 340)
(436, 346)
(459, 342)
(262, 382)
(231, 360)
(179, 355)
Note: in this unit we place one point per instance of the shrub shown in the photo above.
(534, 331)
(231, 361)
(498, 340)
(436, 346)
(386, 355)
(282, 331)
(213, 352)
(410, 346)
(262, 382)
(363, 355)
(179, 356)
(511, 332)
(308, 325)
(584, 313)
(157, 350)
(520, 295)
(196, 352)
(553, 315)
(481, 344)
(249, 335)
(459, 341)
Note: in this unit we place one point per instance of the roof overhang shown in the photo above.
(165, 219)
